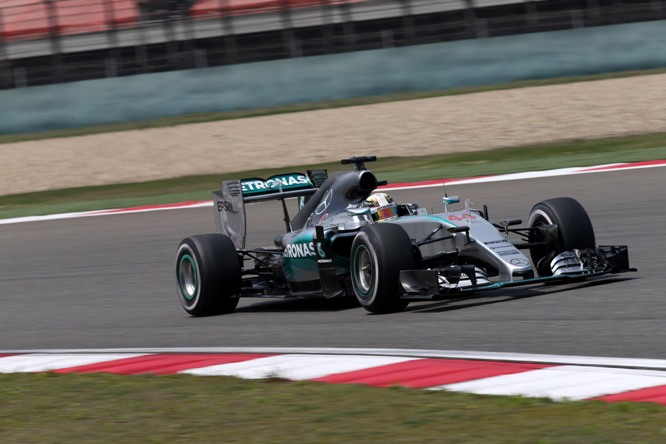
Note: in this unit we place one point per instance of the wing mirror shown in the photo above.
(460, 229)
(448, 201)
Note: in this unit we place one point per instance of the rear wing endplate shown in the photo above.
(229, 202)
(230, 211)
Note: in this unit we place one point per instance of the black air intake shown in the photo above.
(365, 184)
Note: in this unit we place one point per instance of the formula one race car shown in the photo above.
(348, 240)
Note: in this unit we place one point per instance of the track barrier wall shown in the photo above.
(437, 66)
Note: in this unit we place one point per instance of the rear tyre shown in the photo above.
(208, 274)
(574, 230)
(378, 254)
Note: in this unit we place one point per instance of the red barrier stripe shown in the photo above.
(652, 394)
(160, 364)
(423, 373)
(5, 355)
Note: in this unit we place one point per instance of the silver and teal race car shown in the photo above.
(347, 239)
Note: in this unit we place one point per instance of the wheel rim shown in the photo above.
(363, 270)
(187, 277)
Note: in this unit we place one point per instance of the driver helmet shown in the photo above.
(382, 207)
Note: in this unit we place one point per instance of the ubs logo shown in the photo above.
(223, 205)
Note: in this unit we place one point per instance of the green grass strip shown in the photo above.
(96, 408)
(394, 169)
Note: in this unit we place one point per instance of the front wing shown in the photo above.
(430, 285)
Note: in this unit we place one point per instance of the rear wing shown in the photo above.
(229, 202)
(276, 187)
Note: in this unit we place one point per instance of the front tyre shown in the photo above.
(378, 254)
(574, 230)
(208, 274)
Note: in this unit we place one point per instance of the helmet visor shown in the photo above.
(385, 213)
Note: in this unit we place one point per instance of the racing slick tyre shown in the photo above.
(574, 230)
(378, 254)
(208, 274)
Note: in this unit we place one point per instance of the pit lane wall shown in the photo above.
(263, 84)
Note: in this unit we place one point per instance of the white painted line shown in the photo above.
(562, 383)
(296, 367)
(49, 217)
(46, 362)
(19, 220)
(533, 175)
(613, 167)
(152, 208)
(427, 184)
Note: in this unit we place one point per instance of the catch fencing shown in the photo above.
(54, 41)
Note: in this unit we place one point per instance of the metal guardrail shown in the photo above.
(51, 41)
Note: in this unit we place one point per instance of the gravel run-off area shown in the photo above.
(439, 125)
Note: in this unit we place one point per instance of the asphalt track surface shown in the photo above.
(108, 282)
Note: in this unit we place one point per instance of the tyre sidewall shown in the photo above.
(365, 240)
(390, 251)
(187, 251)
(574, 228)
(218, 274)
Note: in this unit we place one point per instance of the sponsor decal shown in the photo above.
(519, 262)
(325, 202)
(300, 250)
(503, 248)
(497, 242)
(465, 216)
(320, 251)
(223, 205)
(284, 182)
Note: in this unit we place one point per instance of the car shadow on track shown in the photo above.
(499, 296)
(299, 305)
(457, 303)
